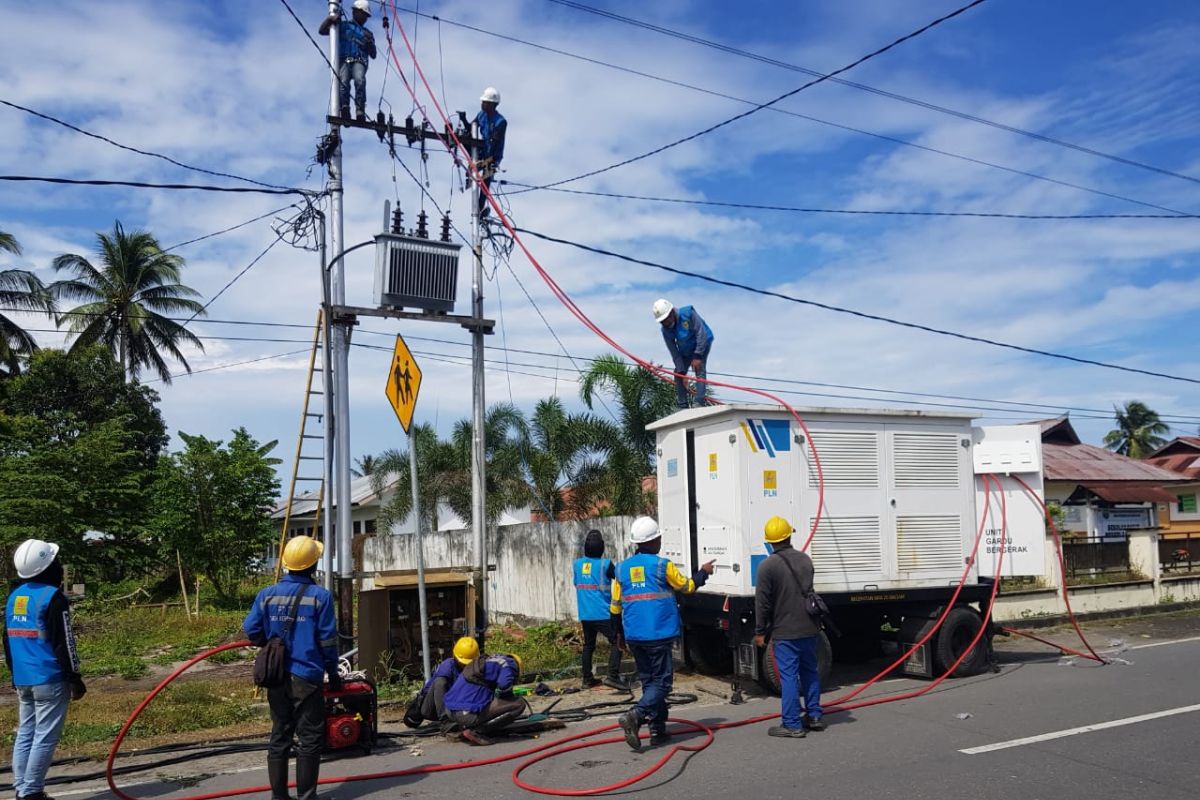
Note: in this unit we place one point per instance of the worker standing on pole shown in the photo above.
(356, 44)
(491, 128)
(594, 575)
(689, 340)
(644, 595)
(781, 615)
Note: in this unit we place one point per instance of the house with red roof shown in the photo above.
(1179, 516)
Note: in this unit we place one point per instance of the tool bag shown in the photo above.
(271, 664)
(814, 604)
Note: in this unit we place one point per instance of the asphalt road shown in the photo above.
(911, 749)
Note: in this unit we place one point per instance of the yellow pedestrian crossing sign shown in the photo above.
(403, 383)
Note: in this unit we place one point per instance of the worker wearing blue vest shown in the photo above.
(644, 595)
(39, 648)
(689, 340)
(594, 575)
(356, 44)
(298, 706)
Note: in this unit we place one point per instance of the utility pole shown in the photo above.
(478, 449)
(340, 341)
(416, 514)
(327, 419)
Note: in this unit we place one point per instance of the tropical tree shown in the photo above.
(1139, 431)
(126, 301)
(364, 466)
(20, 290)
(504, 427)
(564, 457)
(437, 472)
(638, 397)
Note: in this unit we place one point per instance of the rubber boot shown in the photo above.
(277, 774)
(308, 769)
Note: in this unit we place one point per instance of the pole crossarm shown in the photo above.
(343, 315)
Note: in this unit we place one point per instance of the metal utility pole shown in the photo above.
(416, 513)
(478, 449)
(340, 341)
(327, 419)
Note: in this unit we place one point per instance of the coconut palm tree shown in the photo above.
(20, 290)
(127, 300)
(564, 456)
(1139, 431)
(504, 427)
(364, 466)
(437, 474)
(640, 397)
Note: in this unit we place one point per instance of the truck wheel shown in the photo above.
(770, 670)
(708, 652)
(960, 627)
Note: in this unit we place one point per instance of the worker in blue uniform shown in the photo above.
(593, 576)
(644, 596)
(481, 701)
(431, 700)
(39, 648)
(491, 128)
(356, 45)
(298, 706)
(689, 340)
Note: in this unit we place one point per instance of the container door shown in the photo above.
(771, 458)
(718, 503)
(931, 499)
(674, 500)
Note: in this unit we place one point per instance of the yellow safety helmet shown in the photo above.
(520, 665)
(777, 529)
(466, 650)
(301, 552)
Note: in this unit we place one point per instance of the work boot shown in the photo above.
(308, 769)
(813, 723)
(476, 738)
(784, 732)
(659, 737)
(591, 682)
(36, 796)
(344, 112)
(277, 774)
(630, 721)
(616, 683)
(360, 115)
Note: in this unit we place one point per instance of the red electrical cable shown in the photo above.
(1055, 645)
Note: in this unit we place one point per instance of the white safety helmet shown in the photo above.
(33, 556)
(491, 95)
(364, 6)
(662, 309)
(643, 529)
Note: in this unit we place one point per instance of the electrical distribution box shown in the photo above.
(415, 272)
(899, 494)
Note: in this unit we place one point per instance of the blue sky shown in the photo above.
(213, 85)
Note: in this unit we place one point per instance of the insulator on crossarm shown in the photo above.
(445, 227)
(422, 225)
(398, 220)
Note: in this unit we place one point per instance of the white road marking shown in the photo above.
(1099, 726)
(1164, 644)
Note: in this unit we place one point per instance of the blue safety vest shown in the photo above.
(648, 610)
(684, 331)
(33, 659)
(593, 592)
(352, 41)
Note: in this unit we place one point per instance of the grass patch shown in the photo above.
(124, 642)
(545, 650)
(1104, 577)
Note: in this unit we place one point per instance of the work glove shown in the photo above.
(78, 690)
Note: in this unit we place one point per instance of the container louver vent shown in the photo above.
(929, 541)
(849, 459)
(925, 460)
(849, 544)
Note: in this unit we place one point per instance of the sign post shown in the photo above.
(403, 385)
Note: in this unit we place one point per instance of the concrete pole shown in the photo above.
(416, 513)
(478, 451)
(327, 410)
(340, 340)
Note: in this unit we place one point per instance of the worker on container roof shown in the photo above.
(782, 587)
(644, 596)
(689, 340)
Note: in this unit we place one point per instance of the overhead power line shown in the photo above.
(147, 185)
(223, 231)
(874, 90)
(860, 314)
(873, 54)
(776, 109)
(848, 211)
(137, 150)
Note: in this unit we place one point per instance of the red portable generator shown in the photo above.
(351, 717)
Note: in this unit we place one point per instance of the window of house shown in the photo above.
(357, 526)
(370, 526)
(1187, 504)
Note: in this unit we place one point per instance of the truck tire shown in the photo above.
(708, 652)
(960, 627)
(770, 670)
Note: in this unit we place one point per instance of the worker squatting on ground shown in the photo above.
(430, 702)
(594, 576)
(481, 701)
(644, 595)
(490, 128)
(784, 582)
(39, 648)
(298, 706)
(689, 340)
(356, 44)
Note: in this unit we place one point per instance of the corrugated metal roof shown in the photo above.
(1123, 493)
(1184, 463)
(1180, 445)
(360, 492)
(1085, 462)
